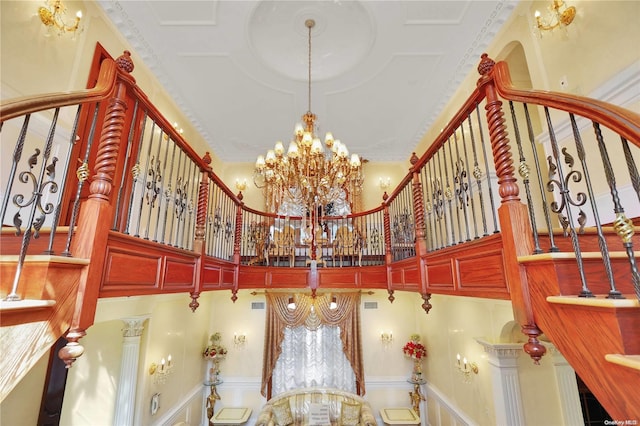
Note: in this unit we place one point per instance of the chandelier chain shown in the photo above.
(310, 176)
(310, 23)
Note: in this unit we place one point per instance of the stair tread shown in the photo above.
(572, 255)
(45, 258)
(25, 304)
(631, 361)
(601, 301)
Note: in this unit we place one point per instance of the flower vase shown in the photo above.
(416, 374)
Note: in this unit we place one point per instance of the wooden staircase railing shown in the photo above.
(584, 292)
(154, 205)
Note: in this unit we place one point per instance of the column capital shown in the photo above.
(501, 354)
(134, 326)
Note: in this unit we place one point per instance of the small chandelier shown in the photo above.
(52, 16)
(306, 174)
(559, 16)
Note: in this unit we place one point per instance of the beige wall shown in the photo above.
(172, 329)
(42, 64)
(601, 42)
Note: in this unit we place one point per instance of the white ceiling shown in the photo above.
(381, 70)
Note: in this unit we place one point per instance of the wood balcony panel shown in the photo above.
(218, 274)
(475, 268)
(137, 267)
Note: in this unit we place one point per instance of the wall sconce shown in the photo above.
(52, 16)
(386, 337)
(559, 15)
(241, 185)
(466, 368)
(161, 371)
(239, 339)
(384, 183)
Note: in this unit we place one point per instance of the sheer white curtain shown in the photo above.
(312, 358)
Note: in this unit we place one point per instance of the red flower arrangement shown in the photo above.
(414, 349)
(215, 349)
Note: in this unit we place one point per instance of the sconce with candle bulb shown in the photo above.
(241, 184)
(239, 340)
(53, 17)
(161, 371)
(386, 337)
(559, 16)
(466, 368)
(384, 183)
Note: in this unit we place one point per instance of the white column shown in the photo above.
(567, 388)
(507, 398)
(126, 393)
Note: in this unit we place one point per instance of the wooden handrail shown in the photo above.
(626, 123)
(30, 104)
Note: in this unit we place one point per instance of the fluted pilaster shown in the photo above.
(126, 393)
(567, 389)
(507, 398)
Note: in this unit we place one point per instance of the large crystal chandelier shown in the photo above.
(308, 175)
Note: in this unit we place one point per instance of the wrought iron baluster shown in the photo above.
(135, 172)
(175, 197)
(469, 186)
(523, 170)
(82, 173)
(622, 225)
(448, 195)
(477, 174)
(487, 172)
(189, 234)
(168, 195)
(454, 192)
(632, 166)
(164, 183)
(154, 184)
(613, 293)
(438, 203)
(63, 181)
(144, 180)
(561, 183)
(34, 202)
(17, 156)
(116, 217)
(428, 207)
(462, 184)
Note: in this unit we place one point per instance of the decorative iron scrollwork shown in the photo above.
(563, 187)
(153, 184)
(462, 188)
(39, 188)
(437, 198)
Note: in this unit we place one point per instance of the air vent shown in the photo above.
(257, 305)
(371, 305)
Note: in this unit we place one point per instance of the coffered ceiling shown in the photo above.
(381, 70)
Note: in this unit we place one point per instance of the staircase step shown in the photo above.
(25, 305)
(599, 301)
(630, 361)
(566, 269)
(10, 243)
(588, 239)
(37, 280)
